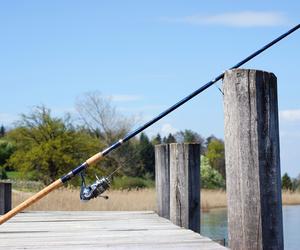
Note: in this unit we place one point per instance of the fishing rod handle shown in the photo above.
(94, 159)
(55, 185)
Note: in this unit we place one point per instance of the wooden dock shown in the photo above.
(98, 230)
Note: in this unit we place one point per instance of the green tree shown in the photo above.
(49, 147)
(126, 157)
(295, 184)
(216, 155)
(156, 140)
(188, 136)
(286, 182)
(6, 150)
(3, 174)
(210, 178)
(209, 139)
(101, 119)
(2, 131)
(169, 139)
(146, 155)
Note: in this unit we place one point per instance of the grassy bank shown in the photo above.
(142, 199)
(290, 198)
(66, 199)
(212, 199)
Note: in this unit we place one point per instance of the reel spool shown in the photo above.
(94, 190)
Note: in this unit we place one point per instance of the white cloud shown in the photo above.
(125, 98)
(235, 19)
(167, 128)
(7, 119)
(292, 115)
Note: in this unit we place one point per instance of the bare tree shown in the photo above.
(101, 117)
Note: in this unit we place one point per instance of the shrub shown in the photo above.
(286, 182)
(3, 174)
(210, 178)
(126, 182)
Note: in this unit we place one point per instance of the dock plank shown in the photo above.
(98, 230)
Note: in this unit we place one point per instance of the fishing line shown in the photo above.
(198, 91)
(101, 185)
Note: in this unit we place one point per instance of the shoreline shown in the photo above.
(67, 199)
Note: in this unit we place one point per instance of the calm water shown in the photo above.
(214, 225)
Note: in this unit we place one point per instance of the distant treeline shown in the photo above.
(43, 147)
(288, 183)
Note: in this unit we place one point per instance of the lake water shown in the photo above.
(214, 225)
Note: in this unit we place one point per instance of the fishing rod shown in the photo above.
(101, 185)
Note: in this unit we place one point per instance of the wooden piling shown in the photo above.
(185, 185)
(5, 197)
(162, 180)
(252, 160)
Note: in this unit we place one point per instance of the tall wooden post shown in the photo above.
(5, 197)
(185, 185)
(162, 180)
(252, 160)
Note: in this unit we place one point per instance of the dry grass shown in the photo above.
(144, 199)
(290, 198)
(212, 199)
(68, 200)
(217, 199)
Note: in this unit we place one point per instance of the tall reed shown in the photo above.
(66, 199)
(136, 199)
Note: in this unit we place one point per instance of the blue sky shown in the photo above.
(147, 55)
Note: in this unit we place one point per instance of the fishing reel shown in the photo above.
(94, 190)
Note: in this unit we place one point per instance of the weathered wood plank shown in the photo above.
(162, 180)
(98, 230)
(5, 197)
(252, 160)
(185, 185)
